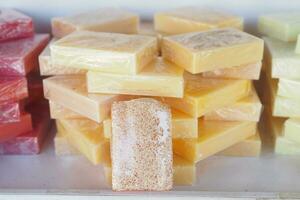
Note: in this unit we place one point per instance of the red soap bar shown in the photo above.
(14, 24)
(19, 57)
(12, 89)
(35, 88)
(10, 112)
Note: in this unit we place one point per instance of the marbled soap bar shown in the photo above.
(71, 92)
(213, 137)
(159, 78)
(289, 88)
(105, 52)
(292, 129)
(192, 19)
(10, 112)
(282, 26)
(141, 146)
(18, 57)
(13, 89)
(100, 20)
(14, 25)
(210, 50)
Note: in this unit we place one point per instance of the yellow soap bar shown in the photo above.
(215, 49)
(87, 137)
(191, 19)
(60, 112)
(159, 78)
(203, 95)
(292, 129)
(48, 69)
(246, 109)
(213, 137)
(248, 71)
(105, 52)
(62, 146)
(71, 92)
(100, 20)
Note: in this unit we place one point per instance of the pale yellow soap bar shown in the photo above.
(292, 129)
(210, 50)
(289, 88)
(191, 19)
(61, 145)
(71, 92)
(48, 69)
(100, 20)
(213, 137)
(203, 95)
(105, 52)
(60, 112)
(159, 78)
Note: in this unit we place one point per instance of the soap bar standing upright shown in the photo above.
(141, 146)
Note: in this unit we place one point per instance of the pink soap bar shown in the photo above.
(10, 112)
(19, 57)
(12, 89)
(14, 24)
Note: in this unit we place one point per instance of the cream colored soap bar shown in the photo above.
(191, 19)
(60, 112)
(214, 137)
(159, 78)
(282, 26)
(292, 129)
(210, 50)
(100, 20)
(71, 92)
(48, 69)
(289, 88)
(105, 52)
(203, 95)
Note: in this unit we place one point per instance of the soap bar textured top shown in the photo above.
(13, 89)
(100, 20)
(14, 24)
(106, 52)
(191, 19)
(141, 146)
(205, 51)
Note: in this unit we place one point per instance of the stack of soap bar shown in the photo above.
(18, 57)
(215, 49)
(148, 82)
(100, 20)
(191, 19)
(141, 146)
(10, 112)
(14, 25)
(13, 89)
(291, 129)
(105, 52)
(282, 26)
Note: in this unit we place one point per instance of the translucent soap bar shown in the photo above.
(203, 95)
(10, 112)
(246, 109)
(215, 49)
(12, 89)
(282, 26)
(105, 52)
(71, 92)
(48, 69)
(14, 25)
(100, 20)
(148, 82)
(247, 71)
(214, 137)
(141, 146)
(289, 88)
(62, 147)
(87, 137)
(292, 129)
(191, 19)
(18, 57)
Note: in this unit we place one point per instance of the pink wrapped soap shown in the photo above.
(12, 89)
(18, 57)
(14, 24)
(10, 112)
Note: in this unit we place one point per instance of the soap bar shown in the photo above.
(215, 49)
(105, 52)
(246, 109)
(62, 147)
(159, 78)
(248, 71)
(35, 89)
(203, 95)
(100, 20)
(213, 137)
(60, 112)
(192, 19)
(71, 92)
(251, 147)
(12, 89)
(10, 112)
(18, 57)
(286, 107)
(289, 88)
(48, 69)
(291, 129)
(141, 146)
(14, 25)
(282, 26)
(282, 59)
(87, 137)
